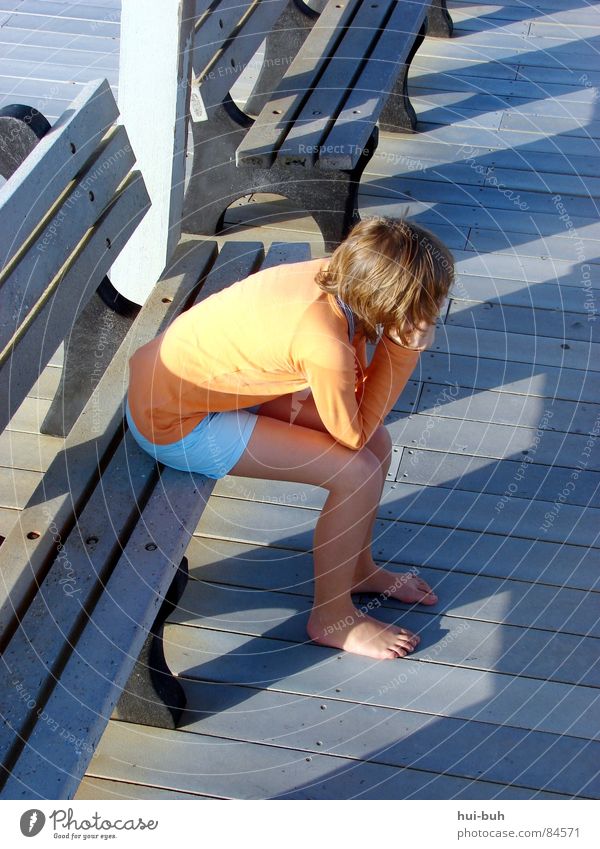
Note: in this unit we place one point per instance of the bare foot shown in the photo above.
(403, 586)
(360, 634)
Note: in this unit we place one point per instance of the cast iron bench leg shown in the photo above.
(439, 22)
(153, 695)
(21, 128)
(282, 44)
(216, 182)
(398, 114)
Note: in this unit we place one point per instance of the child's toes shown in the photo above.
(430, 597)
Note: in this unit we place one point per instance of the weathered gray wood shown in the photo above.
(529, 320)
(280, 252)
(327, 94)
(242, 770)
(16, 487)
(456, 508)
(29, 416)
(271, 126)
(521, 378)
(483, 475)
(368, 95)
(94, 789)
(506, 408)
(73, 26)
(470, 644)
(94, 12)
(33, 452)
(93, 677)
(570, 524)
(69, 292)
(53, 163)
(8, 519)
(519, 347)
(496, 441)
(310, 670)
(59, 41)
(489, 599)
(399, 738)
(516, 292)
(216, 23)
(524, 229)
(411, 544)
(486, 136)
(516, 91)
(61, 605)
(66, 484)
(230, 57)
(420, 185)
(574, 247)
(46, 385)
(30, 56)
(62, 231)
(243, 565)
(440, 106)
(545, 126)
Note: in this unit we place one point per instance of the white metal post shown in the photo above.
(154, 93)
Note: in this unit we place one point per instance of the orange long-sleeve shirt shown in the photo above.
(273, 333)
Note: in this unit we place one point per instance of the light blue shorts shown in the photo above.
(212, 448)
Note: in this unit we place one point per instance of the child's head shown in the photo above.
(391, 273)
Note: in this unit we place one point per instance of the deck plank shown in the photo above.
(412, 544)
(197, 763)
(396, 737)
(430, 687)
(500, 699)
(511, 601)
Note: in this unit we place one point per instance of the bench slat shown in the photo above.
(325, 100)
(272, 125)
(180, 495)
(214, 26)
(69, 292)
(281, 252)
(53, 163)
(61, 231)
(230, 61)
(67, 481)
(345, 143)
(93, 678)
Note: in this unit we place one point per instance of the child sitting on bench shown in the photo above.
(269, 378)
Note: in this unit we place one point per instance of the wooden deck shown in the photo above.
(493, 495)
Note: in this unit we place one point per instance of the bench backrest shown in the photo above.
(65, 214)
(330, 97)
(228, 34)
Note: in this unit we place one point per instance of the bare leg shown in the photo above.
(368, 577)
(280, 451)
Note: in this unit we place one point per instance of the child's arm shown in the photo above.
(351, 417)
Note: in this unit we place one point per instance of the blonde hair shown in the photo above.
(391, 273)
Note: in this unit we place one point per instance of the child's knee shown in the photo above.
(361, 471)
(381, 445)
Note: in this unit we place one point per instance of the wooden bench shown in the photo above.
(96, 561)
(318, 130)
(288, 34)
